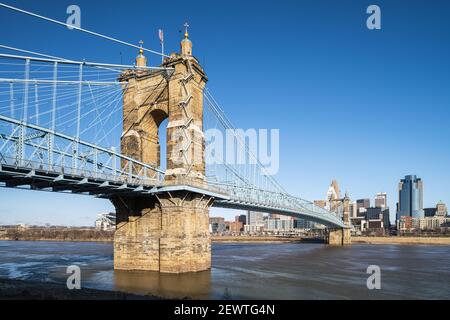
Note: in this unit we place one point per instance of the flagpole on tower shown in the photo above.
(161, 40)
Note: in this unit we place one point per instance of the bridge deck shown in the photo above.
(106, 186)
(84, 182)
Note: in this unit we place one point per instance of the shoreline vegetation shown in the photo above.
(56, 234)
(93, 235)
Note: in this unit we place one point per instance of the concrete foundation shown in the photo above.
(168, 234)
(339, 237)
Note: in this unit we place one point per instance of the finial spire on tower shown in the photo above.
(186, 33)
(141, 50)
(186, 44)
(141, 60)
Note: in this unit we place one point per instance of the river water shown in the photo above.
(248, 271)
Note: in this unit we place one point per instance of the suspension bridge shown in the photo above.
(93, 128)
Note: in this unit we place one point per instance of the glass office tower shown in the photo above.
(410, 197)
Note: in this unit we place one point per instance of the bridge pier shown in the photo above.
(165, 233)
(136, 240)
(185, 243)
(338, 237)
(341, 236)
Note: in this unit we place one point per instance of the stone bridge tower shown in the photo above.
(168, 231)
(341, 236)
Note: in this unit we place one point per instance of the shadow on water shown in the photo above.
(196, 285)
(311, 240)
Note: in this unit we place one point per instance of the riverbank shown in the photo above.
(93, 235)
(402, 240)
(32, 290)
(221, 239)
(56, 234)
(261, 239)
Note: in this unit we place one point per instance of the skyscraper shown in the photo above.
(361, 206)
(363, 203)
(255, 218)
(381, 200)
(241, 218)
(441, 209)
(410, 197)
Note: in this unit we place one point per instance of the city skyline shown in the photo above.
(331, 99)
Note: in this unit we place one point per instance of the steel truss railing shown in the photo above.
(263, 200)
(44, 149)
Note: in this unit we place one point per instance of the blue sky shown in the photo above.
(360, 106)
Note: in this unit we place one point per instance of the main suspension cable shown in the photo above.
(80, 29)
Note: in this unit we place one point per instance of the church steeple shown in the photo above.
(186, 44)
